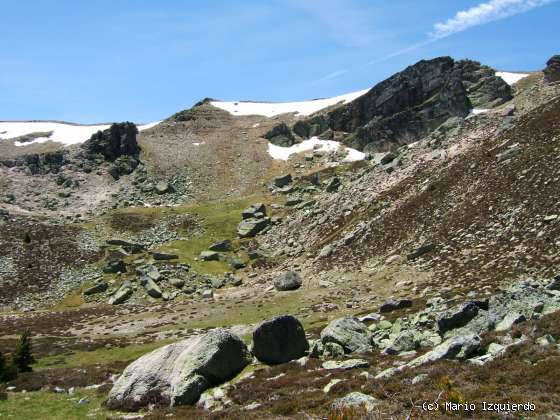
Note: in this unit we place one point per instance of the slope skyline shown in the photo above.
(143, 64)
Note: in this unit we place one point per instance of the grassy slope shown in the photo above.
(48, 405)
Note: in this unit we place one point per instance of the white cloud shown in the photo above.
(483, 13)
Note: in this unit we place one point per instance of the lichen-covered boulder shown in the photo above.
(178, 373)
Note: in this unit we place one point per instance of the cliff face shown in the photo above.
(412, 103)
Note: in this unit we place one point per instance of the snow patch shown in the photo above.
(314, 143)
(511, 78)
(270, 109)
(64, 133)
(477, 111)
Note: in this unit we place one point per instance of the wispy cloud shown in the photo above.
(330, 76)
(478, 15)
(484, 13)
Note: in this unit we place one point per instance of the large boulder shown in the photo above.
(289, 280)
(350, 333)
(178, 373)
(552, 70)
(279, 340)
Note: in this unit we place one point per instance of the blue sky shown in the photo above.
(143, 60)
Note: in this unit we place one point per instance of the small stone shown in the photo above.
(419, 378)
(345, 364)
(329, 386)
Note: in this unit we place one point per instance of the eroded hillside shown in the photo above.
(417, 268)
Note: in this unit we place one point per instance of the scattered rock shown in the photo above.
(96, 288)
(160, 256)
(350, 333)
(332, 351)
(207, 294)
(249, 228)
(345, 364)
(508, 154)
(355, 400)
(418, 252)
(221, 246)
(457, 317)
(115, 266)
(393, 305)
(127, 246)
(121, 295)
(209, 256)
(510, 320)
(282, 181)
(333, 185)
(162, 187)
(151, 287)
(329, 386)
(253, 210)
(288, 281)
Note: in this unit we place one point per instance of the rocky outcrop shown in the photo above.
(412, 103)
(118, 145)
(552, 70)
(279, 340)
(280, 135)
(178, 373)
(39, 163)
(116, 141)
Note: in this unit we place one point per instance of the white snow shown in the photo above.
(511, 78)
(64, 133)
(477, 111)
(314, 143)
(270, 109)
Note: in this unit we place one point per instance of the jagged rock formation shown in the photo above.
(411, 103)
(552, 70)
(118, 145)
